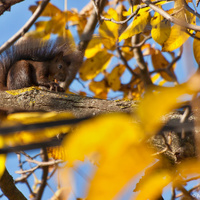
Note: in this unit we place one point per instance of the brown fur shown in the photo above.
(34, 62)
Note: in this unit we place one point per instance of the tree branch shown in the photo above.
(7, 185)
(26, 27)
(171, 18)
(45, 170)
(6, 5)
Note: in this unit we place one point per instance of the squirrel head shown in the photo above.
(58, 68)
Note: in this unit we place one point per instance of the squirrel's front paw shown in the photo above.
(55, 87)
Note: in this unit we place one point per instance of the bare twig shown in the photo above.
(44, 176)
(190, 9)
(140, 61)
(125, 63)
(139, 44)
(171, 18)
(26, 27)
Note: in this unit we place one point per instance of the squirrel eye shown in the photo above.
(60, 66)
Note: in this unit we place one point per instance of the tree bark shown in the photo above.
(175, 141)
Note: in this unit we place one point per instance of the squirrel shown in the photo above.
(35, 62)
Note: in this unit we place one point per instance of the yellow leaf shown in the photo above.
(116, 141)
(196, 48)
(178, 36)
(37, 117)
(93, 47)
(93, 66)
(161, 28)
(155, 77)
(189, 167)
(158, 180)
(99, 88)
(154, 106)
(2, 158)
(38, 135)
(56, 153)
(49, 11)
(114, 77)
(160, 62)
(176, 39)
(138, 24)
(110, 29)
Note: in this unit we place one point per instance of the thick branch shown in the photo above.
(38, 99)
(6, 5)
(7, 185)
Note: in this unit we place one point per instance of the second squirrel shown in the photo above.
(34, 62)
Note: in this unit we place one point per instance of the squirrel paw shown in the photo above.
(55, 87)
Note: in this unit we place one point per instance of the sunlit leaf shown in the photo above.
(114, 77)
(49, 11)
(154, 106)
(155, 77)
(196, 48)
(158, 180)
(56, 153)
(178, 36)
(161, 28)
(99, 88)
(137, 25)
(38, 135)
(37, 117)
(108, 31)
(110, 138)
(2, 158)
(160, 62)
(189, 167)
(93, 66)
(94, 46)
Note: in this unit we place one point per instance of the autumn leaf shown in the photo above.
(160, 62)
(137, 25)
(178, 36)
(114, 77)
(99, 88)
(159, 104)
(94, 65)
(2, 158)
(158, 180)
(38, 135)
(196, 47)
(161, 28)
(49, 11)
(94, 46)
(108, 139)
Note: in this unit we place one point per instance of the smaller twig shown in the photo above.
(190, 9)
(139, 44)
(176, 58)
(125, 62)
(171, 18)
(44, 175)
(173, 193)
(160, 152)
(183, 118)
(47, 163)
